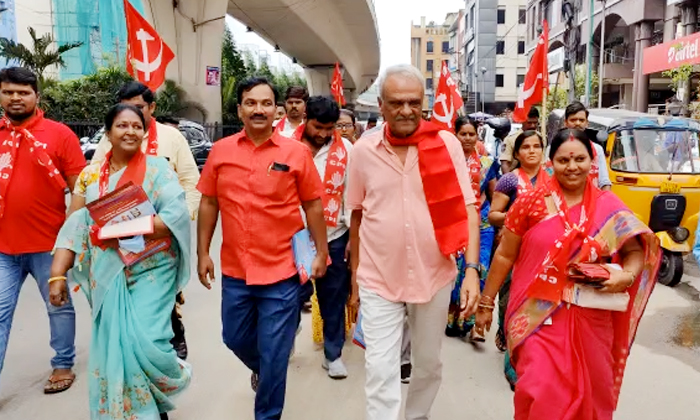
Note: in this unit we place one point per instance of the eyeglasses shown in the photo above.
(344, 126)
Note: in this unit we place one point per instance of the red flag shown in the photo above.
(337, 86)
(536, 80)
(447, 100)
(147, 56)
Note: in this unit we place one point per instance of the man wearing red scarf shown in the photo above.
(331, 157)
(413, 211)
(40, 160)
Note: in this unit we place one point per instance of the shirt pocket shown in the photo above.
(275, 185)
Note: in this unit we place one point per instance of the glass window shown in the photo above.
(521, 47)
(429, 84)
(500, 47)
(499, 80)
(519, 80)
(429, 65)
(522, 13)
(656, 151)
(501, 16)
(445, 46)
(429, 46)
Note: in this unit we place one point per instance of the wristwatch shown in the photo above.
(476, 267)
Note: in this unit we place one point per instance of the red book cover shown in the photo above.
(124, 204)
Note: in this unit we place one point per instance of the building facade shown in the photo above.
(430, 48)
(495, 59)
(629, 26)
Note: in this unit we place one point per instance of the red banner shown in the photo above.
(147, 56)
(337, 86)
(672, 54)
(449, 100)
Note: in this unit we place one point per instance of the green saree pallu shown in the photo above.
(133, 369)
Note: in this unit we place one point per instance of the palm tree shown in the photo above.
(40, 57)
(172, 100)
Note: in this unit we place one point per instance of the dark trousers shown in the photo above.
(259, 325)
(332, 291)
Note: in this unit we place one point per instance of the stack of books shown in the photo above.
(124, 213)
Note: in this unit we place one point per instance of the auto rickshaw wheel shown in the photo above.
(671, 270)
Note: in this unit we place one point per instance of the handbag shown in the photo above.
(590, 274)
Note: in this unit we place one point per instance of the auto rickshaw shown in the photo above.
(654, 166)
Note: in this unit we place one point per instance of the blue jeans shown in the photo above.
(332, 291)
(259, 326)
(13, 271)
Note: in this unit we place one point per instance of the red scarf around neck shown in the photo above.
(152, 146)
(440, 185)
(525, 183)
(10, 147)
(551, 281)
(334, 177)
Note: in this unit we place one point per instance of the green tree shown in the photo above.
(580, 83)
(232, 64)
(85, 99)
(172, 99)
(40, 57)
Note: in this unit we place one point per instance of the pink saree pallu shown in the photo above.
(570, 360)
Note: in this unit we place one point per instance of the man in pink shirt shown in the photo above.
(412, 211)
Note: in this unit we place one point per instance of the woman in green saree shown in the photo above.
(133, 368)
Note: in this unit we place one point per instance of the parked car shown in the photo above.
(196, 136)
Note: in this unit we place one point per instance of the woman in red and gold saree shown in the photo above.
(569, 356)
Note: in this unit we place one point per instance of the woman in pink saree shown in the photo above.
(569, 343)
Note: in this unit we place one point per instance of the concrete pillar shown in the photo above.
(318, 81)
(636, 33)
(642, 87)
(196, 42)
(689, 13)
(670, 23)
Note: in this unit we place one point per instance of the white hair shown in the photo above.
(399, 70)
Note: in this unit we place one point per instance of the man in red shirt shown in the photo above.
(258, 180)
(40, 160)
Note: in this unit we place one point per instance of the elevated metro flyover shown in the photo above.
(317, 33)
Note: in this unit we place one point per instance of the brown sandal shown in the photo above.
(59, 383)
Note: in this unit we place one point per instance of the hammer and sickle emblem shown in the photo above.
(446, 117)
(147, 67)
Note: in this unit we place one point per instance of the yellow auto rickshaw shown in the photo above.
(654, 167)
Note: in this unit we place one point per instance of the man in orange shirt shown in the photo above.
(40, 160)
(258, 180)
(412, 211)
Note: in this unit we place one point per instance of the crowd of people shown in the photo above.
(417, 229)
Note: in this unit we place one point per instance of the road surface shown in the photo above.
(662, 380)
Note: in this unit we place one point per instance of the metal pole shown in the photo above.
(589, 50)
(482, 92)
(601, 71)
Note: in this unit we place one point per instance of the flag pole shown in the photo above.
(543, 116)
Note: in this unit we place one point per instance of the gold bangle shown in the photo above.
(487, 298)
(57, 278)
(481, 305)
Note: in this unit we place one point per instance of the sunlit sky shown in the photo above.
(393, 18)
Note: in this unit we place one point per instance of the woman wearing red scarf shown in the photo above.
(478, 163)
(568, 343)
(526, 175)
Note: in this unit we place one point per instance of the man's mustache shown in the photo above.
(259, 117)
(402, 118)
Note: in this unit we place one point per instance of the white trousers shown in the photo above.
(383, 326)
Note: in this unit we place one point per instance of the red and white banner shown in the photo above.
(147, 56)
(672, 54)
(337, 86)
(536, 79)
(448, 101)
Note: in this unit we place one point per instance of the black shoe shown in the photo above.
(163, 416)
(406, 373)
(254, 380)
